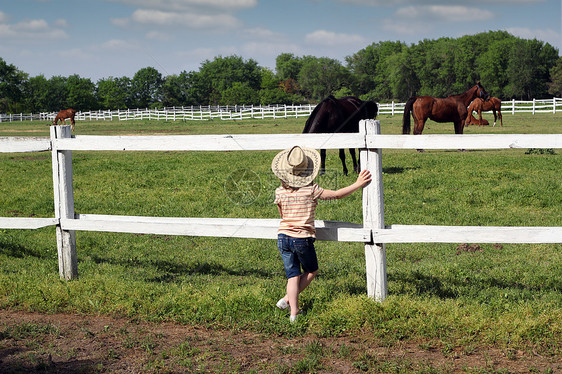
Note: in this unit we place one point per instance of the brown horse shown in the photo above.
(493, 103)
(65, 114)
(471, 120)
(449, 109)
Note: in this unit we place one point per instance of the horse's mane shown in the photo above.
(326, 106)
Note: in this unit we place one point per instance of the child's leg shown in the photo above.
(292, 296)
(305, 280)
(295, 286)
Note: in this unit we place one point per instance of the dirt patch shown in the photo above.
(472, 248)
(61, 343)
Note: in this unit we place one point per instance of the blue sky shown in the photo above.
(102, 38)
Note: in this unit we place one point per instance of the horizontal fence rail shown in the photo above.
(373, 230)
(242, 112)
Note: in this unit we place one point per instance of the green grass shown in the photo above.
(508, 296)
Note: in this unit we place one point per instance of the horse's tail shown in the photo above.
(406, 117)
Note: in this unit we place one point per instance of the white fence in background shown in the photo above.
(242, 112)
(372, 231)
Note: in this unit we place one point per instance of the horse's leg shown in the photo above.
(459, 126)
(355, 163)
(72, 124)
(419, 123)
(342, 158)
(322, 161)
(500, 117)
(479, 117)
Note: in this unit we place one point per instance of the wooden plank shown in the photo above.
(467, 234)
(373, 215)
(220, 227)
(208, 142)
(17, 144)
(26, 223)
(64, 205)
(465, 141)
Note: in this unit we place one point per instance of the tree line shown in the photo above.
(508, 67)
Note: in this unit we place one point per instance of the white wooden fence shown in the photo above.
(241, 112)
(372, 232)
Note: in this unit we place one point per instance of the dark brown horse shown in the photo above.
(65, 114)
(471, 120)
(478, 105)
(339, 115)
(448, 109)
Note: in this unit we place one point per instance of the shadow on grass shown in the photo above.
(424, 284)
(397, 169)
(19, 251)
(170, 271)
(430, 285)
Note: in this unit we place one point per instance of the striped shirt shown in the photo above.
(297, 207)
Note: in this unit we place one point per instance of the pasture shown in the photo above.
(456, 299)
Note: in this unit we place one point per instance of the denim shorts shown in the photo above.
(297, 253)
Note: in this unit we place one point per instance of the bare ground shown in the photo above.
(62, 343)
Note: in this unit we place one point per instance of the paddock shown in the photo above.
(372, 231)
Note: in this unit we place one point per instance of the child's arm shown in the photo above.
(362, 180)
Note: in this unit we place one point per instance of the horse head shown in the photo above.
(481, 92)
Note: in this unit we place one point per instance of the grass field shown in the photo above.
(506, 296)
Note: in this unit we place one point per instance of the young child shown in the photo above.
(296, 199)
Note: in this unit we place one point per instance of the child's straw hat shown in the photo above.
(297, 166)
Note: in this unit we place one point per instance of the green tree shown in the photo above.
(113, 93)
(81, 93)
(492, 65)
(288, 66)
(555, 84)
(321, 77)
(528, 69)
(36, 94)
(403, 81)
(240, 93)
(145, 87)
(174, 90)
(371, 70)
(269, 96)
(11, 87)
(268, 79)
(57, 93)
(222, 73)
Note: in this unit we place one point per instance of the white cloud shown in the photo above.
(391, 3)
(61, 22)
(270, 50)
(189, 20)
(185, 5)
(199, 55)
(115, 44)
(159, 36)
(450, 13)
(3, 17)
(328, 38)
(263, 34)
(75, 54)
(31, 29)
(121, 22)
(550, 36)
(405, 28)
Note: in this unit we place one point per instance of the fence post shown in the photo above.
(373, 213)
(64, 205)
